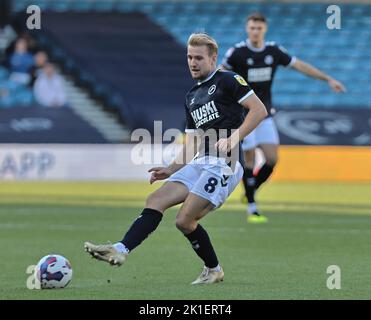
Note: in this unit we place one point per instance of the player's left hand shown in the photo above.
(159, 173)
(337, 86)
(224, 145)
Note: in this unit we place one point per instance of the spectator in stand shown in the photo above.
(32, 46)
(49, 88)
(7, 35)
(40, 60)
(21, 62)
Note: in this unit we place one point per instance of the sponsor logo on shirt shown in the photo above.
(259, 74)
(204, 114)
(240, 80)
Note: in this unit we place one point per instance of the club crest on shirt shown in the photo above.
(211, 89)
(240, 80)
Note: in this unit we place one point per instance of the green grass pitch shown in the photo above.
(311, 226)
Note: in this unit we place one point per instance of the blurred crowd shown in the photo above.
(26, 73)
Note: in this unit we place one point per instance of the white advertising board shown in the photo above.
(82, 161)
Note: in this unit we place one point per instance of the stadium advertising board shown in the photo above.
(324, 127)
(75, 162)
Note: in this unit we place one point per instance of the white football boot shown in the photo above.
(209, 276)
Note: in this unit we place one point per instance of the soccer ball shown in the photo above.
(53, 271)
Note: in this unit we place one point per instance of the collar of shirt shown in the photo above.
(252, 48)
(208, 77)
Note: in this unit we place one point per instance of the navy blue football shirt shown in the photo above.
(214, 103)
(258, 66)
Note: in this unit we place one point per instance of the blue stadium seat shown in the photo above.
(18, 6)
(8, 85)
(103, 5)
(80, 5)
(125, 6)
(301, 28)
(24, 97)
(60, 5)
(3, 73)
(13, 94)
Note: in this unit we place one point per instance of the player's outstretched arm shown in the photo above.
(313, 72)
(188, 152)
(257, 113)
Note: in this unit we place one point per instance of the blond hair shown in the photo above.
(203, 39)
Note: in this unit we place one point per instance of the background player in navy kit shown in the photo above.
(257, 61)
(202, 184)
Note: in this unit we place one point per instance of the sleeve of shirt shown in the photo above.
(228, 61)
(284, 58)
(238, 87)
(190, 124)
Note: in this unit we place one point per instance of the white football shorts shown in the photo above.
(265, 133)
(210, 178)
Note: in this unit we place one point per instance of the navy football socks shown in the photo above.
(249, 184)
(264, 172)
(141, 228)
(201, 244)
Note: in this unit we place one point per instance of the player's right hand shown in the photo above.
(159, 173)
(337, 86)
